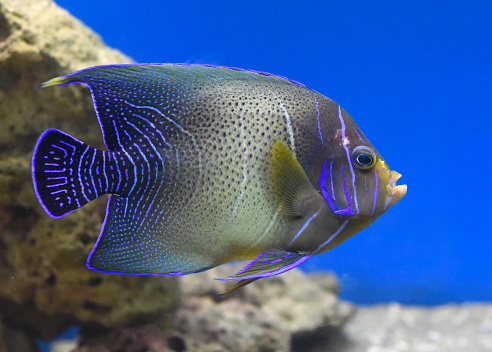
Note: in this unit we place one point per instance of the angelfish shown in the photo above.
(207, 165)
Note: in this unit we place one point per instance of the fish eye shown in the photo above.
(363, 158)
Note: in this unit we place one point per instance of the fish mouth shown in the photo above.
(385, 192)
(397, 192)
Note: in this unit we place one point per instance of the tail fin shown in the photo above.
(62, 169)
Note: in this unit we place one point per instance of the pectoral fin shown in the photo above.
(269, 263)
(291, 187)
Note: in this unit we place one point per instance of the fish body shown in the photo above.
(207, 165)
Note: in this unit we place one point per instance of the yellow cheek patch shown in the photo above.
(384, 167)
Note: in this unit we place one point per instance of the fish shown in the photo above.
(206, 165)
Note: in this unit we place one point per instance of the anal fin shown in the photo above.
(270, 262)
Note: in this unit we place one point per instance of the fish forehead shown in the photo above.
(346, 188)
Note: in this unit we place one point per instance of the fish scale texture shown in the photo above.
(204, 131)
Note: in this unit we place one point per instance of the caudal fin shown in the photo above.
(62, 169)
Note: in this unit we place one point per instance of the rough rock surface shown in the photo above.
(274, 314)
(147, 338)
(384, 328)
(45, 285)
(396, 328)
(15, 340)
(290, 312)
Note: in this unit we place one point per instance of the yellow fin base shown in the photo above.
(239, 284)
(287, 178)
(54, 82)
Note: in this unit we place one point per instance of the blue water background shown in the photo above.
(416, 76)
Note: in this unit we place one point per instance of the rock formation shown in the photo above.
(290, 312)
(45, 285)
(382, 328)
